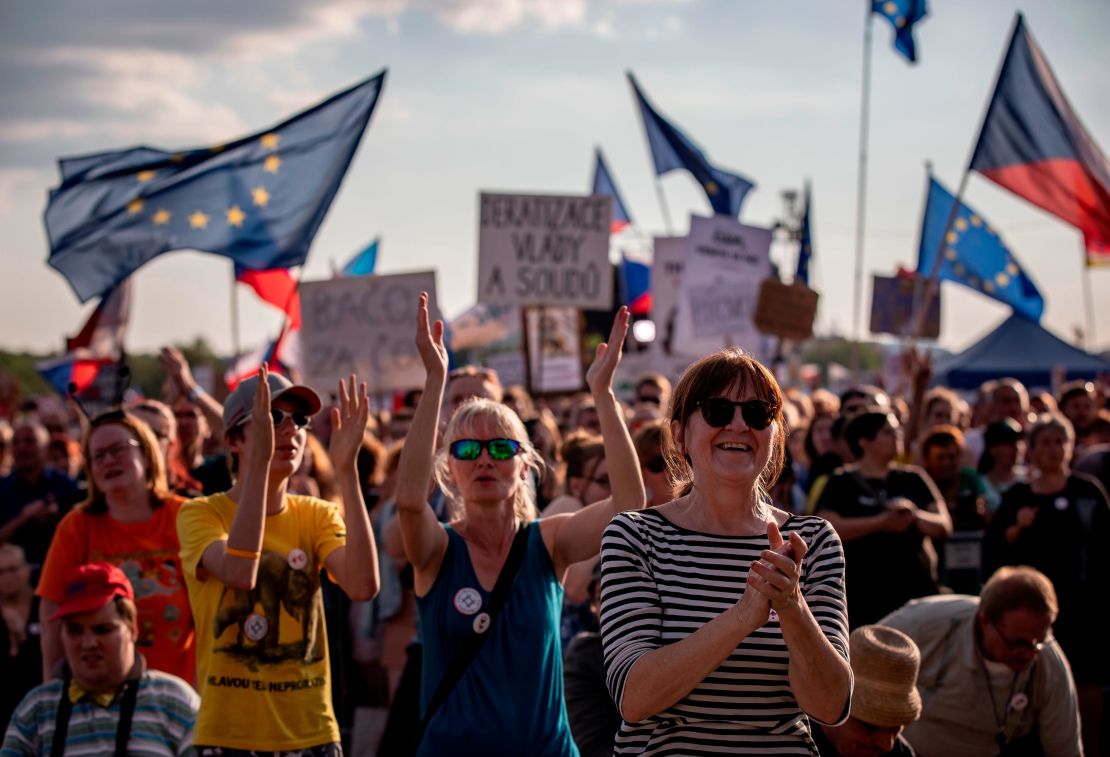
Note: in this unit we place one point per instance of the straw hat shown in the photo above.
(885, 662)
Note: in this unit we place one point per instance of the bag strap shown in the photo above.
(61, 721)
(127, 712)
(469, 651)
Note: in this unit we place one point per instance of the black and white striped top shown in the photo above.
(660, 583)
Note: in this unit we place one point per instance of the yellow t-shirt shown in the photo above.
(262, 656)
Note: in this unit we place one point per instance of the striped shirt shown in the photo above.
(165, 710)
(661, 583)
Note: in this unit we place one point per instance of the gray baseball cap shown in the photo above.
(238, 404)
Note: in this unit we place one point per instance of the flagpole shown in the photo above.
(861, 185)
(663, 206)
(285, 314)
(1091, 342)
(234, 313)
(931, 284)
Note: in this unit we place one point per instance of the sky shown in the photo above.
(513, 96)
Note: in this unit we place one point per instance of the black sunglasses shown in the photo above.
(718, 412)
(300, 419)
(471, 449)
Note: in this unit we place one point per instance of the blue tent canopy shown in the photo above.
(1020, 349)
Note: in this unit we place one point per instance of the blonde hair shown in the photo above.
(506, 423)
(156, 484)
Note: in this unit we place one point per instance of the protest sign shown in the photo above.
(726, 262)
(554, 339)
(364, 325)
(545, 250)
(893, 299)
(786, 310)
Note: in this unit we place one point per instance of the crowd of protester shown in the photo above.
(721, 565)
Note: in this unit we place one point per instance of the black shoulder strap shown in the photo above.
(126, 712)
(466, 655)
(61, 723)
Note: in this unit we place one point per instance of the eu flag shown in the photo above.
(805, 244)
(974, 255)
(672, 150)
(258, 200)
(902, 14)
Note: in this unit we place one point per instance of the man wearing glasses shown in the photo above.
(992, 677)
(252, 559)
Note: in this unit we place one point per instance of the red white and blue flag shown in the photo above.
(604, 185)
(1033, 144)
(99, 343)
(635, 286)
(277, 287)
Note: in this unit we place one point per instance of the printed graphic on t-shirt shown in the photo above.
(280, 619)
(153, 574)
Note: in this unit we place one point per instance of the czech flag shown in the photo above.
(1034, 145)
(277, 287)
(635, 286)
(99, 343)
(604, 185)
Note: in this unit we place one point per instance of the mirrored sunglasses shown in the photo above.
(471, 449)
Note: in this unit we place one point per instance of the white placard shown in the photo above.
(668, 267)
(545, 250)
(726, 262)
(365, 325)
(555, 350)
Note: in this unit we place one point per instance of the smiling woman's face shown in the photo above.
(734, 454)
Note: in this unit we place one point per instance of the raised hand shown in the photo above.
(177, 369)
(777, 574)
(599, 377)
(260, 445)
(429, 341)
(348, 423)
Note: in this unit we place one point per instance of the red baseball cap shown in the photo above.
(89, 587)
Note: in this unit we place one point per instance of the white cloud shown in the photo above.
(499, 16)
(322, 22)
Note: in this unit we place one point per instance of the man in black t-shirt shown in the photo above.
(885, 514)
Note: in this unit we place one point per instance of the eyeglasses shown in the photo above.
(1019, 644)
(718, 412)
(113, 451)
(471, 449)
(656, 465)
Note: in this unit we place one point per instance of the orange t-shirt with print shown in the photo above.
(148, 553)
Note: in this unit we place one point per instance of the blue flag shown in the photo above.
(604, 185)
(974, 255)
(672, 150)
(635, 286)
(902, 14)
(363, 263)
(258, 200)
(805, 244)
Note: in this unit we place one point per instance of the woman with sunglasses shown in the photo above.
(509, 698)
(723, 618)
(128, 519)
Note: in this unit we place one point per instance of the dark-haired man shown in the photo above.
(106, 701)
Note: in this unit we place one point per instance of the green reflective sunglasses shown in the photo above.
(471, 449)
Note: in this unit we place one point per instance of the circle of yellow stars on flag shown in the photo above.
(234, 216)
(1001, 279)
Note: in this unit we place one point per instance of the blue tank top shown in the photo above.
(510, 700)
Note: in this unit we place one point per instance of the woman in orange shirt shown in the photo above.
(129, 519)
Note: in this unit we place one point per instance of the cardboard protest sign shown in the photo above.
(545, 250)
(364, 325)
(726, 262)
(554, 350)
(893, 299)
(786, 310)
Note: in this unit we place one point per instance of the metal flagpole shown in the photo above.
(663, 205)
(861, 186)
(1091, 342)
(931, 284)
(234, 313)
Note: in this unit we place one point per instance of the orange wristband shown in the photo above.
(246, 554)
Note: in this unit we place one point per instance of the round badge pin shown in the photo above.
(297, 559)
(773, 617)
(1019, 702)
(481, 622)
(468, 601)
(255, 627)
(1061, 503)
